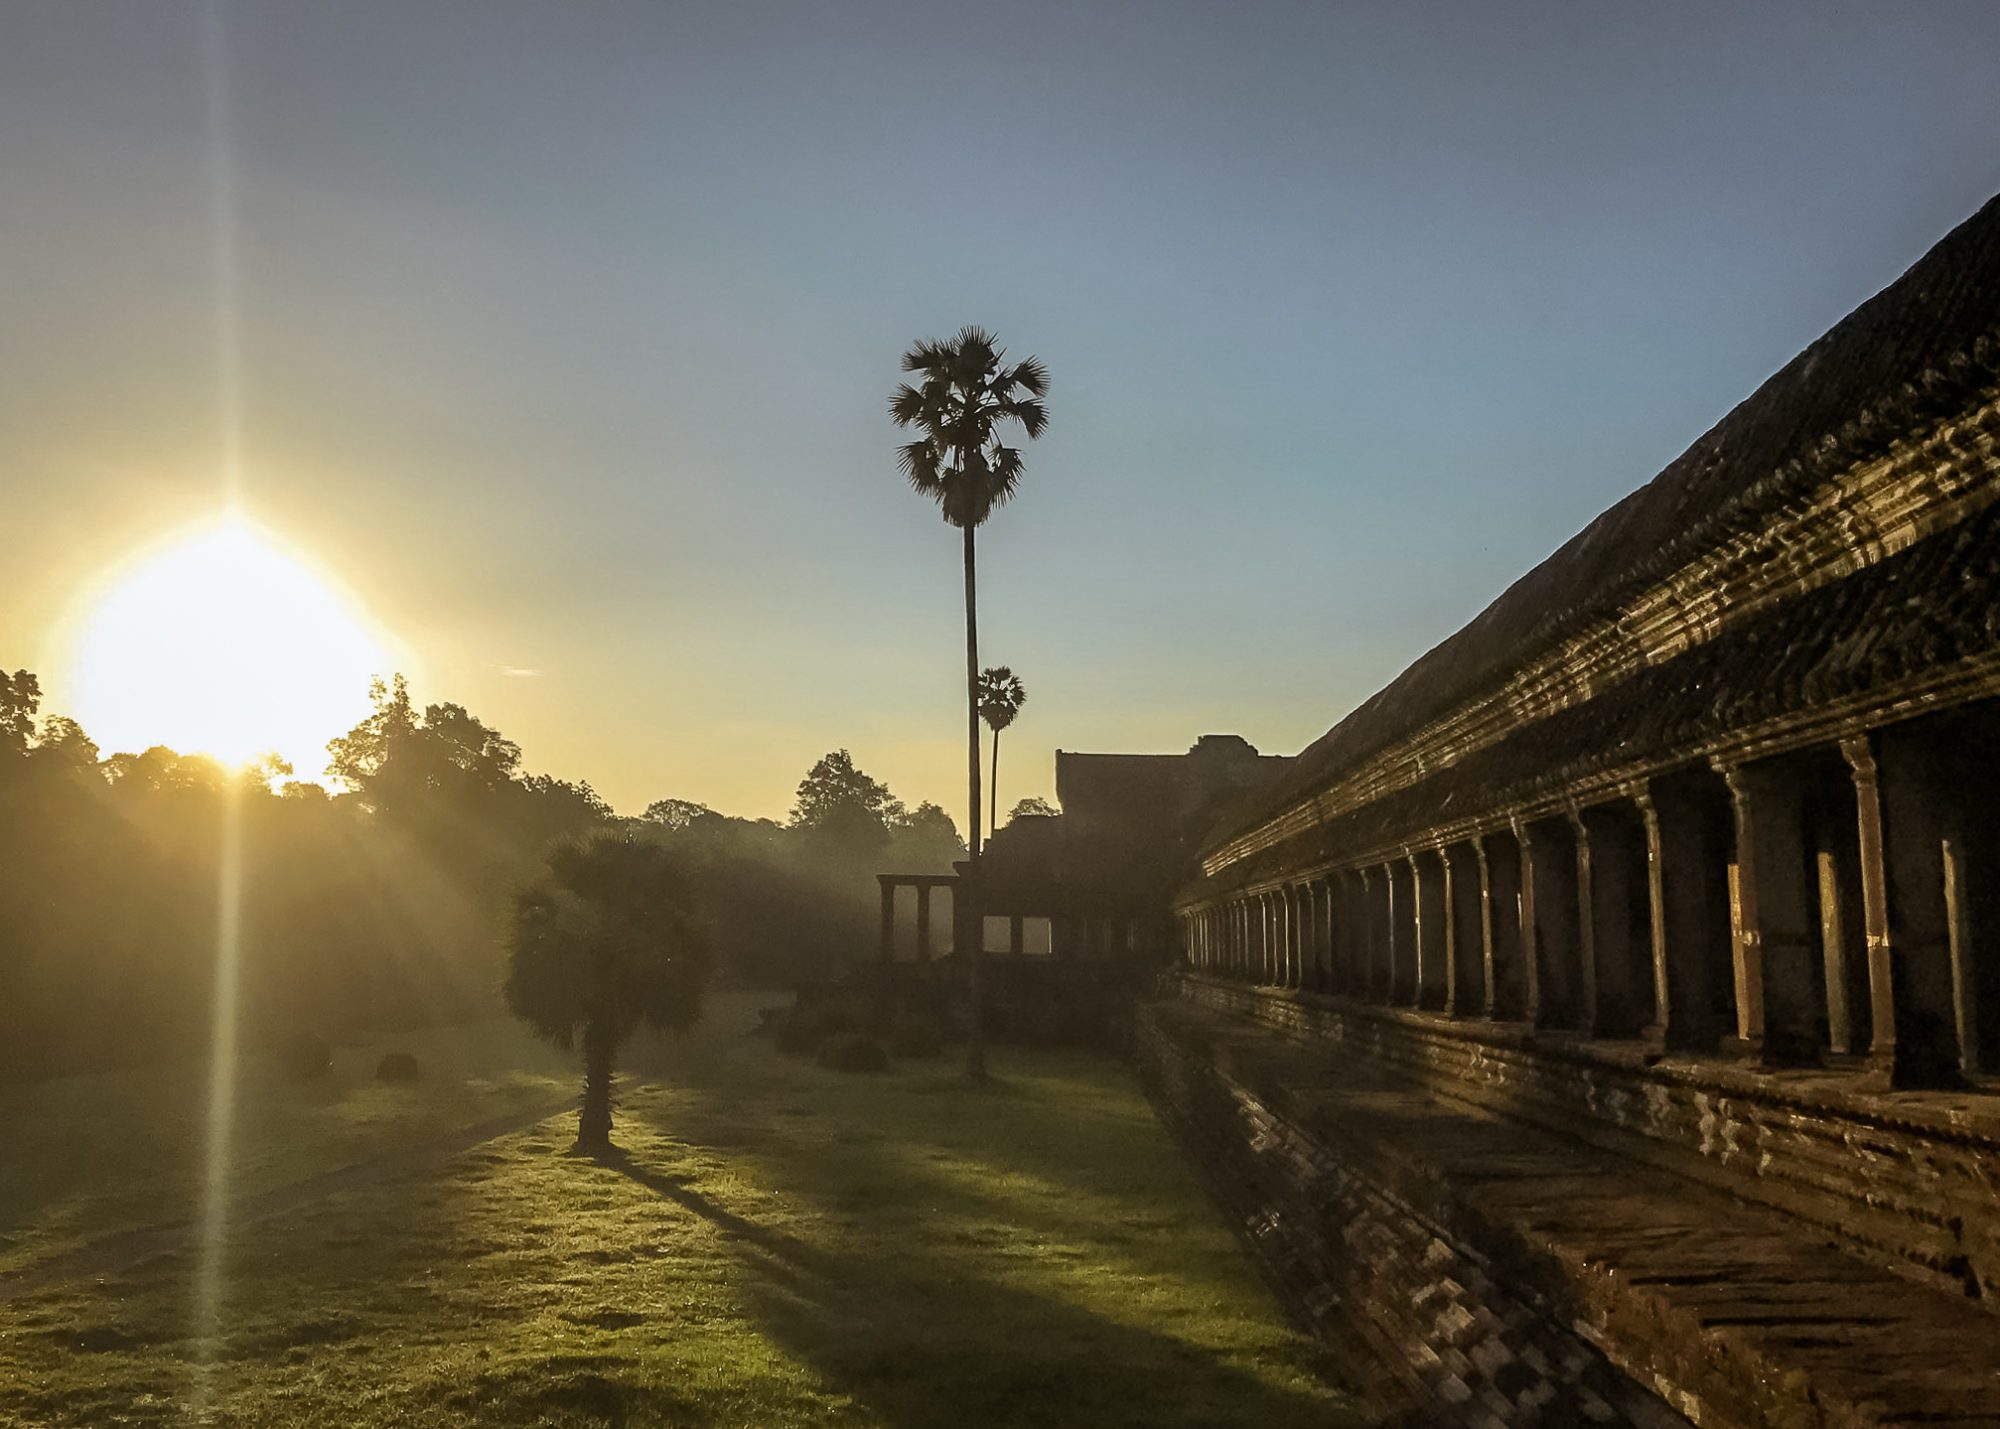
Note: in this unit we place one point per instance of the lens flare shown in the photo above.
(224, 644)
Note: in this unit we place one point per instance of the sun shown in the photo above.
(222, 642)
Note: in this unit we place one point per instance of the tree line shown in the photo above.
(377, 899)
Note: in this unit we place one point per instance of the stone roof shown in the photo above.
(1917, 349)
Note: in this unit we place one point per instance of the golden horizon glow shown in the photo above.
(220, 641)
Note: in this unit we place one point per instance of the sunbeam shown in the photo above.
(210, 1279)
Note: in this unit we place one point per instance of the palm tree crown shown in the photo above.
(962, 395)
(1001, 695)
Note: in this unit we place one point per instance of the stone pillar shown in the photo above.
(1368, 975)
(1682, 861)
(1351, 950)
(1551, 915)
(1964, 970)
(1390, 914)
(1611, 882)
(1491, 1002)
(1835, 939)
(888, 919)
(1531, 950)
(1329, 933)
(1260, 935)
(1911, 794)
(1288, 937)
(1309, 937)
(1466, 991)
(1014, 940)
(1506, 910)
(1586, 1013)
(1449, 885)
(1432, 927)
(1772, 913)
(923, 922)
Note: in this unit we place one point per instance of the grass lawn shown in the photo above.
(775, 1245)
(90, 1155)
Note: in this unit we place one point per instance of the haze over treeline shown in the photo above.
(373, 901)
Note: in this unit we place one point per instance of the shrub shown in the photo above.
(851, 1052)
(305, 1056)
(916, 1036)
(397, 1067)
(800, 1031)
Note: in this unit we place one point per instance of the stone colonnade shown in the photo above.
(1073, 936)
(1823, 904)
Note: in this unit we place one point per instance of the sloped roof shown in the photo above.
(1916, 349)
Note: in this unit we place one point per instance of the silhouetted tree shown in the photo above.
(962, 398)
(354, 921)
(20, 697)
(837, 795)
(677, 814)
(1001, 695)
(1032, 807)
(609, 940)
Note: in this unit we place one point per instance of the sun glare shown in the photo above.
(223, 643)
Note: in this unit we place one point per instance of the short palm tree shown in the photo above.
(962, 395)
(608, 940)
(1001, 695)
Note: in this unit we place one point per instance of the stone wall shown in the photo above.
(1910, 1180)
(1421, 1326)
(1471, 1268)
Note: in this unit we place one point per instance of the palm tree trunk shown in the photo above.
(993, 794)
(593, 1124)
(975, 1044)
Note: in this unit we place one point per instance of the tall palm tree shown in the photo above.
(608, 939)
(1001, 695)
(962, 395)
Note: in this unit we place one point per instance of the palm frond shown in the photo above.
(927, 355)
(1003, 475)
(1030, 375)
(907, 406)
(1028, 411)
(921, 465)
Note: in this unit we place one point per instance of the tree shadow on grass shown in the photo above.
(918, 1335)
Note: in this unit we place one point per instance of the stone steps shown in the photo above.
(1729, 1311)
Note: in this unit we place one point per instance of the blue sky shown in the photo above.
(566, 331)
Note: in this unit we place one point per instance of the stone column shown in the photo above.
(1677, 854)
(1508, 913)
(1393, 951)
(1532, 952)
(1491, 1002)
(923, 922)
(1368, 974)
(1260, 939)
(1451, 927)
(1913, 799)
(1778, 997)
(1346, 939)
(1309, 937)
(1329, 933)
(1964, 971)
(1466, 992)
(1014, 940)
(1288, 938)
(1549, 925)
(1587, 1017)
(1611, 878)
(1432, 927)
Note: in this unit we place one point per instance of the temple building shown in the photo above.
(1098, 879)
(1676, 871)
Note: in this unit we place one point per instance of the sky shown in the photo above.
(559, 336)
